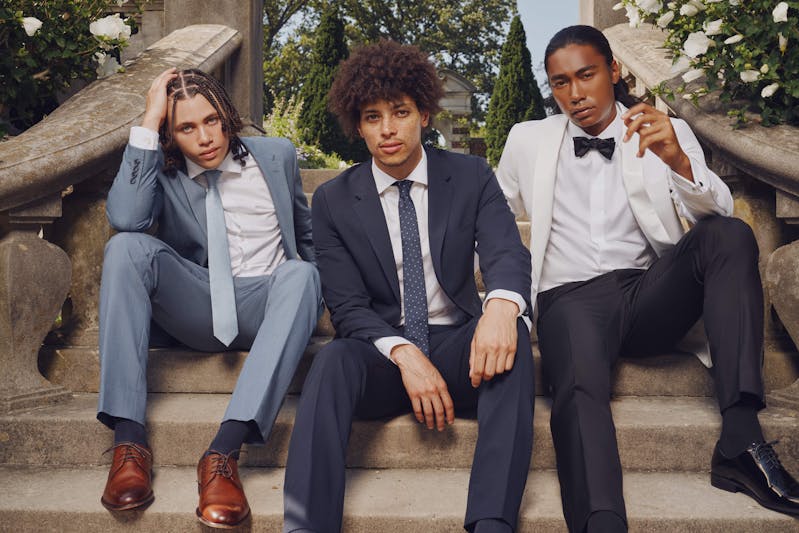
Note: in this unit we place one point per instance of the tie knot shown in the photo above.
(404, 187)
(211, 176)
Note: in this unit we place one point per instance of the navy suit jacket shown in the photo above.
(467, 212)
(142, 195)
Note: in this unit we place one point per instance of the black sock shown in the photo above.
(126, 430)
(230, 436)
(492, 525)
(740, 426)
(605, 522)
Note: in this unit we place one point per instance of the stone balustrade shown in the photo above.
(74, 150)
(761, 165)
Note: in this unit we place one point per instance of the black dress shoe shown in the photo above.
(757, 472)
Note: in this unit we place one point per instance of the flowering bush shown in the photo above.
(746, 48)
(47, 46)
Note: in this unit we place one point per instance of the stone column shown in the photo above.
(34, 280)
(245, 77)
(600, 14)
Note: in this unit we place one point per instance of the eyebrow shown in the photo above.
(189, 123)
(582, 70)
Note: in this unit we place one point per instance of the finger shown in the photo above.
(478, 367)
(449, 405)
(509, 361)
(490, 364)
(651, 140)
(438, 409)
(500, 364)
(472, 350)
(636, 125)
(429, 414)
(416, 403)
(634, 110)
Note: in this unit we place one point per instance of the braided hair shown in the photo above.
(187, 84)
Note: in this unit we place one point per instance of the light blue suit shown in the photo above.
(165, 279)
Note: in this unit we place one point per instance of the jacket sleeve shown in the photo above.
(136, 196)
(707, 194)
(343, 288)
(302, 213)
(507, 174)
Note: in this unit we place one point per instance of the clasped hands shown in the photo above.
(493, 350)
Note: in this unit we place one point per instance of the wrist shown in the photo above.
(151, 123)
(502, 307)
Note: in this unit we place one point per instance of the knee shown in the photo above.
(301, 272)
(730, 236)
(335, 365)
(127, 247)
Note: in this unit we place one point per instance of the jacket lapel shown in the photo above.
(439, 199)
(366, 204)
(276, 180)
(195, 198)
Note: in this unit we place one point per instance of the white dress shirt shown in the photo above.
(440, 309)
(254, 239)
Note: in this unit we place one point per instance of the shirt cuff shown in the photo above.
(698, 186)
(514, 297)
(143, 138)
(385, 344)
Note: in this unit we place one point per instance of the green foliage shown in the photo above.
(317, 124)
(284, 120)
(516, 96)
(746, 49)
(35, 69)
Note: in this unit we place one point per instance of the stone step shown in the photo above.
(35, 499)
(655, 434)
(185, 370)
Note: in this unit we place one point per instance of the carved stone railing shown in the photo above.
(75, 148)
(762, 167)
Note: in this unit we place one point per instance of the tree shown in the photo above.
(319, 126)
(516, 96)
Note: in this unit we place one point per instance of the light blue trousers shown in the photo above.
(144, 279)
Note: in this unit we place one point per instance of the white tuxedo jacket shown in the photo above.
(527, 172)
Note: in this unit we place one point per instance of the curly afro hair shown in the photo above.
(383, 71)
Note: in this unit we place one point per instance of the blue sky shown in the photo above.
(541, 19)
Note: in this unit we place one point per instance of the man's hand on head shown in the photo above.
(657, 134)
(430, 399)
(156, 107)
(494, 342)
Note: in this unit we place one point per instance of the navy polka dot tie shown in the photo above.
(414, 292)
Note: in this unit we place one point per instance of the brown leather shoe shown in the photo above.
(222, 501)
(129, 479)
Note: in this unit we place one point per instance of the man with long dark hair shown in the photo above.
(615, 274)
(395, 242)
(231, 266)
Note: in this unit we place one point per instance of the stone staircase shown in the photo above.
(401, 477)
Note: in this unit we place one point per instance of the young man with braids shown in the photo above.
(615, 274)
(231, 265)
(395, 243)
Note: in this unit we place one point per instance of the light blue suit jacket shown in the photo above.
(142, 195)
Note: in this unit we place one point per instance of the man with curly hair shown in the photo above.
(395, 241)
(231, 266)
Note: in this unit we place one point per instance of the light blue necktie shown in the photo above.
(416, 329)
(223, 297)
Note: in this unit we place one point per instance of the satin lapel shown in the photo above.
(195, 199)
(439, 199)
(640, 203)
(543, 191)
(275, 176)
(366, 204)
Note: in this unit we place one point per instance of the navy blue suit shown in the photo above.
(467, 213)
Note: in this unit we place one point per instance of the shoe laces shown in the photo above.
(131, 450)
(220, 464)
(765, 452)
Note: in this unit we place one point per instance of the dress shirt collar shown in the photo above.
(228, 164)
(614, 129)
(383, 181)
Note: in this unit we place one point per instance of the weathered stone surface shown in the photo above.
(34, 278)
(600, 13)
(782, 280)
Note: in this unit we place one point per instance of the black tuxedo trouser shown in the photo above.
(583, 327)
(351, 377)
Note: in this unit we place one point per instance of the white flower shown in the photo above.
(769, 90)
(688, 10)
(713, 27)
(692, 75)
(111, 27)
(780, 12)
(687, 96)
(734, 39)
(671, 5)
(682, 64)
(106, 65)
(650, 6)
(748, 76)
(665, 19)
(783, 42)
(618, 7)
(633, 16)
(698, 4)
(764, 68)
(31, 25)
(735, 2)
(696, 44)
(120, 3)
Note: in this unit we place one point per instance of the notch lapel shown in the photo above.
(439, 200)
(366, 204)
(194, 193)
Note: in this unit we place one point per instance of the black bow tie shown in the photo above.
(604, 146)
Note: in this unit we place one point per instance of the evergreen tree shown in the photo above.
(317, 125)
(516, 96)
